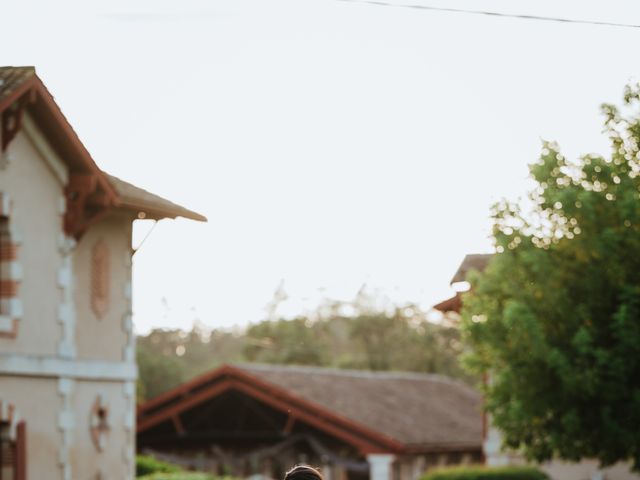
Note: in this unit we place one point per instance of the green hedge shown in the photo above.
(486, 473)
(177, 476)
(146, 465)
(149, 468)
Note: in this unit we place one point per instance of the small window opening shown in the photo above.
(7, 254)
(7, 453)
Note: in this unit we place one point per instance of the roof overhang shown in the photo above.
(32, 95)
(90, 192)
(453, 304)
(472, 261)
(149, 205)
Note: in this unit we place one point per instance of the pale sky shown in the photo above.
(330, 143)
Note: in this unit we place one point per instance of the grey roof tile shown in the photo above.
(419, 410)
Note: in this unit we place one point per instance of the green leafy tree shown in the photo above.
(555, 317)
(166, 358)
(298, 341)
(367, 337)
(356, 335)
(159, 368)
(378, 335)
(404, 339)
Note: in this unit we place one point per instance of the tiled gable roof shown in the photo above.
(12, 77)
(472, 261)
(396, 411)
(419, 410)
(16, 81)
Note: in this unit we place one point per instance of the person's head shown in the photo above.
(303, 472)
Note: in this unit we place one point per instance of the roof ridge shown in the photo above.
(25, 68)
(372, 374)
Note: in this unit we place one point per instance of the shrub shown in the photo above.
(183, 476)
(177, 476)
(147, 465)
(486, 473)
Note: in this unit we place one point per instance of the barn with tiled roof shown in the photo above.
(258, 419)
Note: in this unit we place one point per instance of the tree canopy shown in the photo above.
(554, 319)
(339, 334)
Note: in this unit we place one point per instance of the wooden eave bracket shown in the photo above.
(88, 195)
(87, 202)
(178, 425)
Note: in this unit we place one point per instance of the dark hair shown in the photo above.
(303, 472)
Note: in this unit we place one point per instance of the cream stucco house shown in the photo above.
(67, 348)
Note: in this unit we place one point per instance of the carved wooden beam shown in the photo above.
(177, 423)
(99, 199)
(80, 186)
(291, 420)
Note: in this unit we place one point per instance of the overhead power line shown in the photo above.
(495, 14)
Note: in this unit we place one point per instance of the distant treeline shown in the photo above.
(341, 335)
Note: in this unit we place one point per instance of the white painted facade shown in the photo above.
(63, 362)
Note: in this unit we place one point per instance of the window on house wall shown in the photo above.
(12, 452)
(10, 272)
(7, 254)
(7, 453)
(10, 275)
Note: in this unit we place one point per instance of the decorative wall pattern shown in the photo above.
(10, 271)
(66, 425)
(66, 308)
(99, 423)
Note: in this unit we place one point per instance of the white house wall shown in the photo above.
(103, 338)
(111, 463)
(63, 358)
(39, 404)
(37, 199)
